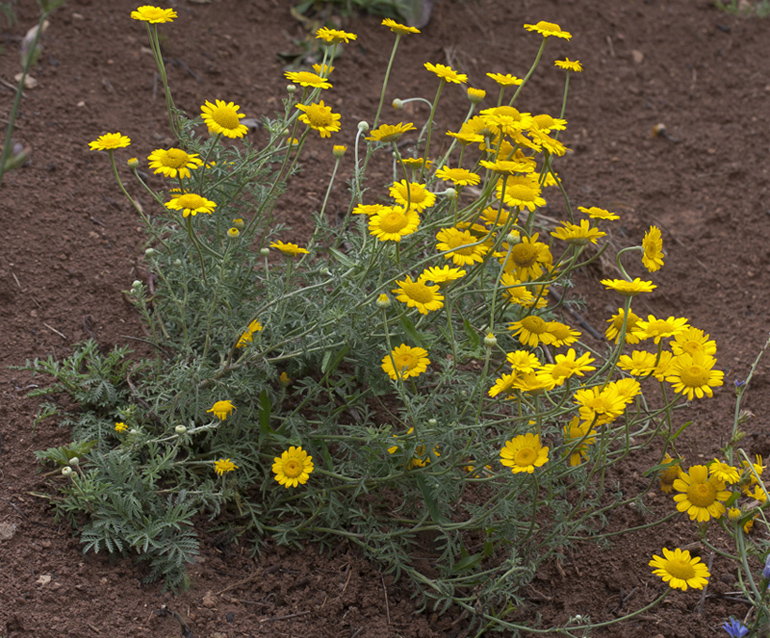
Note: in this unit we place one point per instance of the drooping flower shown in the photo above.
(109, 142)
(292, 250)
(248, 335)
(192, 204)
(545, 141)
(400, 29)
(694, 376)
(653, 249)
(305, 78)
(724, 471)
(334, 36)
(418, 294)
(548, 29)
(413, 195)
(700, 496)
(369, 209)
(578, 234)
(324, 70)
(598, 213)
(405, 362)
(153, 15)
(293, 467)
(459, 246)
(505, 79)
(222, 409)
(680, 570)
(514, 292)
(569, 65)
(320, 118)
(446, 73)
(616, 325)
(458, 176)
(393, 223)
(524, 453)
(578, 435)
(224, 465)
(667, 476)
(629, 288)
(390, 132)
(120, 427)
(173, 162)
(224, 118)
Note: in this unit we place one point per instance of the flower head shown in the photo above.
(222, 409)
(412, 195)
(724, 472)
(223, 118)
(292, 250)
(528, 259)
(320, 118)
(390, 133)
(153, 15)
(393, 223)
(400, 29)
(680, 570)
(224, 465)
(547, 29)
(120, 427)
(658, 329)
(569, 65)
(693, 375)
(174, 162)
(667, 476)
(735, 628)
(693, 341)
(334, 36)
(475, 95)
(191, 204)
(653, 249)
(418, 294)
(629, 288)
(524, 453)
(305, 78)
(598, 213)
(523, 191)
(458, 176)
(616, 325)
(578, 234)
(405, 361)
(578, 435)
(248, 335)
(446, 73)
(293, 467)
(700, 496)
(459, 246)
(442, 275)
(523, 361)
(109, 142)
(505, 80)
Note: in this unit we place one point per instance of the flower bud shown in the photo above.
(177, 262)
(264, 252)
(383, 301)
(74, 461)
(136, 284)
(476, 95)
(490, 341)
(149, 252)
(239, 223)
(233, 232)
(66, 470)
(397, 104)
(338, 150)
(734, 514)
(363, 126)
(291, 88)
(432, 423)
(133, 163)
(180, 429)
(513, 238)
(133, 431)
(450, 193)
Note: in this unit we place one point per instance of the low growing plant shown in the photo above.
(406, 376)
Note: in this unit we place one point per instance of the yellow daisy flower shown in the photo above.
(514, 292)
(319, 117)
(629, 288)
(475, 95)
(120, 427)
(680, 570)
(292, 250)
(598, 213)
(545, 123)
(724, 472)
(548, 29)
(658, 329)
(222, 409)
(523, 191)
(293, 467)
(543, 140)
(390, 133)
(458, 176)
(223, 118)
(224, 465)
(446, 73)
(109, 142)
(334, 36)
(528, 259)
(305, 78)
(506, 79)
(599, 406)
(616, 325)
(693, 341)
(524, 453)
(700, 496)
(578, 436)
(413, 195)
(578, 234)
(324, 70)
(692, 375)
(174, 162)
(562, 334)
(393, 223)
(653, 249)
(405, 362)
(523, 361)
(531, 331)
(418, 294)
(640, 363)
(458, 246)
(569, 65)
(400, 29)
(443, 275)
(248, 335)
(153, 15)
(666, 477)
(191, 204)
(567, 365)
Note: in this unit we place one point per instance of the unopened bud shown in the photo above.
(239, 223)
(133, 163)
(264, 252)
(233, 232)
(450, 193)
(383, 301)
(432, 423)
(66, 470)
(180, 429)
(513, 238)
(149, 252)
(363, 126)
(291, 88)
(490, 341)
(397, 104)
(136, 284)
(338, 150)
(74, 461)
(177, 262)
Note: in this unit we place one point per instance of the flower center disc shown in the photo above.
(190, 200)
(393, 222)
(419, 292)
(524, 255)
(405, 361)
(525, 456)
(534, 324)
(292, 468)
(175, 158)
(462, 240)
(701, 494)
(226, 118)
(520, 192)
(694, 376)
(680, 569)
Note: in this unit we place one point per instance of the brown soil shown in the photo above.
(72, 244)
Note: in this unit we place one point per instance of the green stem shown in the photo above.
(385, 81)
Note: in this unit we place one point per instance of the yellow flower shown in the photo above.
(400, 29)
(459, 176)
(324, 70)
(562, 334)
(626, 389)
(523, 362)
(667, 476)
(109, 142)
(531, 331)
(503, 385)
(320, 118)
(233, 232)
(578, 436)
(415, 163)
(567, 366)
(289, 249)
(458, 245)
(305, 78)
(284, 379)
(514, 292)
(421, 458)
(293, 467)
(692, 375)
(334, 36)
(658, 329)
(120, 427)
(599, 406)
(390, 133)
(222, 409)
(640, 363)
(393, 223)
(174, 162)
(550, 144)
(418, 294)
(578, 234)
(505, 80)
(724, 472)
(546, 123)
(522, 191)
(339, 150)
(153, 15)
(443, 275)
(446, 73)
(413, 195)
(693, 341)
(191, 204)
(527, 260)
(569, 65)
(680, 570)
(653, 249)
(524, 453)
(598, 213)
(369, 209)
(405, 362)
(616, 325)
(248, 335)
(700, 496)
(475, 95)
(629, 288)
(224, 465)
(547, 29)
(223, 117)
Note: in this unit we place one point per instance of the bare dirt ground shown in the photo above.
(71, 245)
